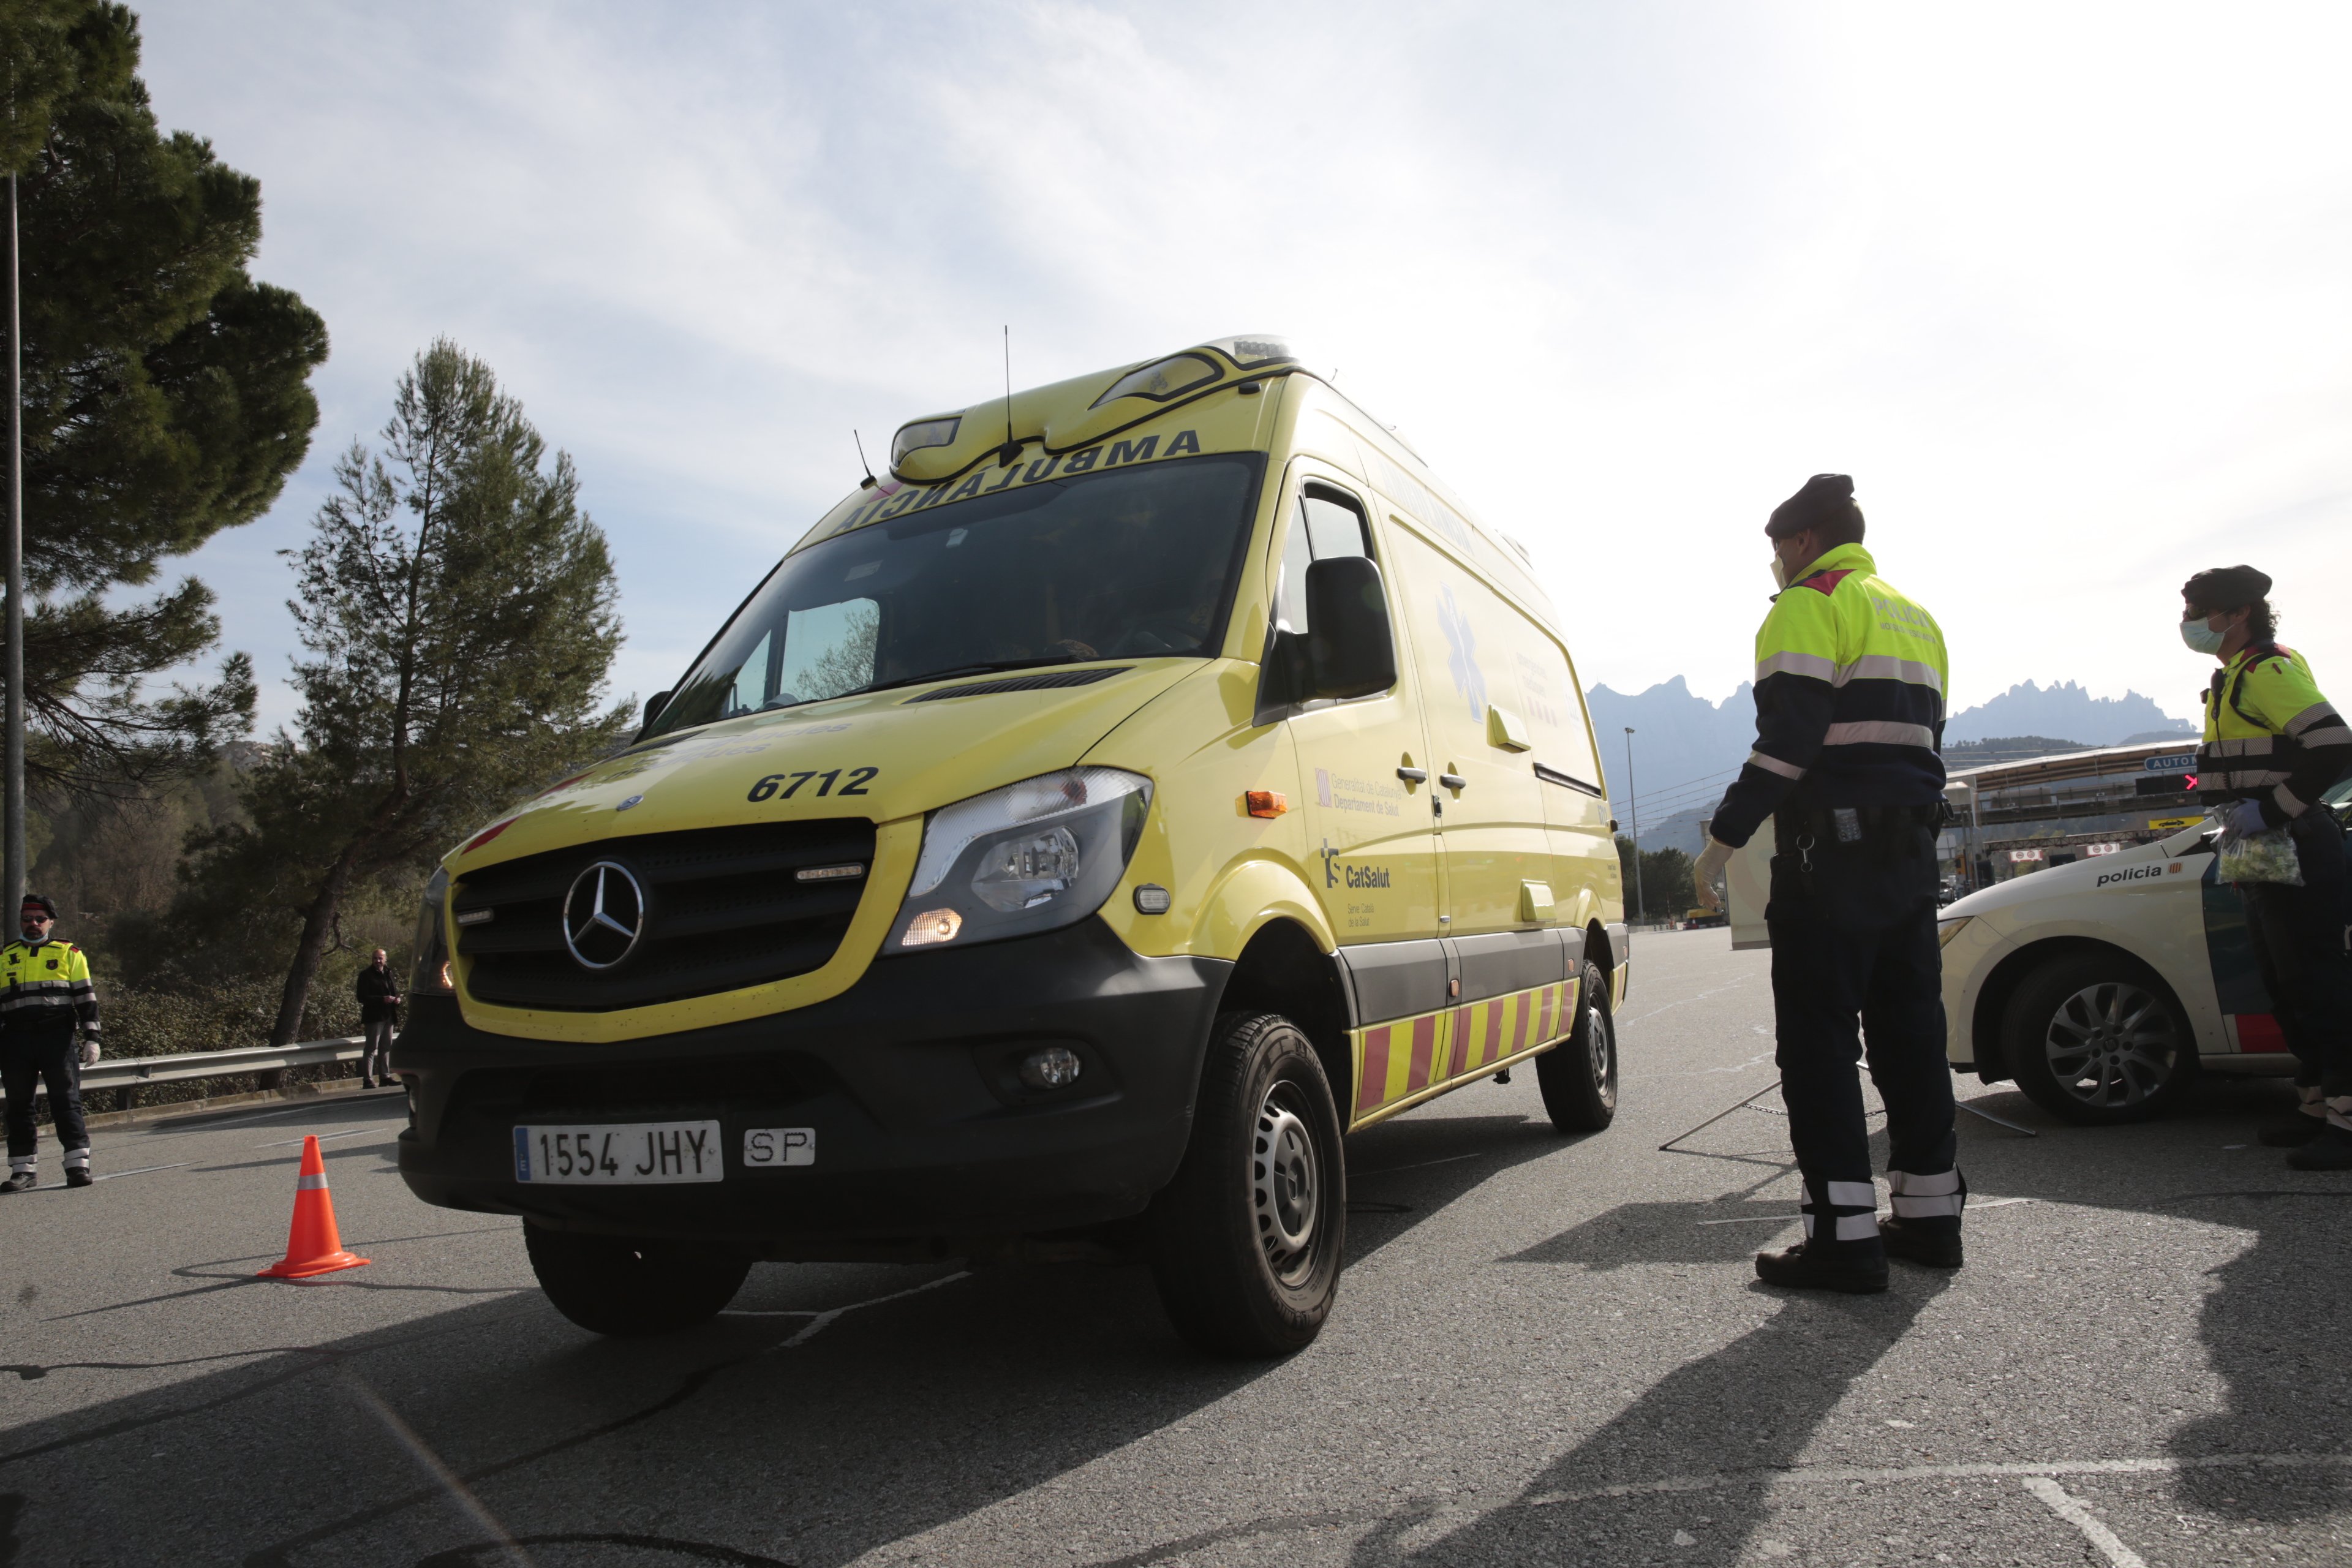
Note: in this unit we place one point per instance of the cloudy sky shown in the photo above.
(2067, 289)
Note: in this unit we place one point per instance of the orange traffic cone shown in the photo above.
(311, 1245)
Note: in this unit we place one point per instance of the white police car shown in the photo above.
(2105, 988)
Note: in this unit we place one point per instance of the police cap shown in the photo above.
(1825, 502)
(2219, 588)
(37, 901)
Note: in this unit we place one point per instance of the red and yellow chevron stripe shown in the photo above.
(1406, 1059)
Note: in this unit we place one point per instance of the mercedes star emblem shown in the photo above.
(604, 915)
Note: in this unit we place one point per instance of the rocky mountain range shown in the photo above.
(1685, 750)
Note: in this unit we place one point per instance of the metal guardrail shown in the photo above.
(128, 1074)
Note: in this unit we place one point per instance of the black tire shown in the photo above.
(1246, 1241)
(1578, 1075)
(2098, 1040)
(629, 1286)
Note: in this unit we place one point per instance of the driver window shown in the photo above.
(1328, 525)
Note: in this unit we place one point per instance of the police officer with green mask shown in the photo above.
(2274, 744)
(1849, 769)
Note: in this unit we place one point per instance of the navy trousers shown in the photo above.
(1857, 975)
(2298, 936)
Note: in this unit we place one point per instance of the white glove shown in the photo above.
(1711, 862)
(2242, 819)
(90, 1053)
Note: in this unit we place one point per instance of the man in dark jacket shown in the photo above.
(379, 995)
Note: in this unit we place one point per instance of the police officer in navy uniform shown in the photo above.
(48, 1032)
(1848, 767)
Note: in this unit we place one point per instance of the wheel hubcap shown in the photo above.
(1596, 1035)
(1286, 1184)
(2112, 1045)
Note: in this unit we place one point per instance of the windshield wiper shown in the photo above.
(990, 666)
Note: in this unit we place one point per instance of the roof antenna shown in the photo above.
(1009, 453)
(869, 482)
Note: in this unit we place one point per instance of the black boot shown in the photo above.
(78, 1177)
(2290, 1131)
(2330, 1151)
(1858, 1271)
(1914, 1243)
(20, 1182)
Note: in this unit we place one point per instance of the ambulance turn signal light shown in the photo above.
(932, 926)
(1268, 803)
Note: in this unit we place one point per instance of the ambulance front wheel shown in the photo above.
(1578, 1075)
(1245, 1242)
(628, 1287)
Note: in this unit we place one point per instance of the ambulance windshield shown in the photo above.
(1132, 563)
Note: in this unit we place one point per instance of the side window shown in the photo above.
(1328, 526)
(751, 687)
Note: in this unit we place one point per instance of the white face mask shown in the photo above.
(2201, 637)
(1779, 572)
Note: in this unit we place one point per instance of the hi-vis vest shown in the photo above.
(45, 989)
(2269, 733)
(1849, 681)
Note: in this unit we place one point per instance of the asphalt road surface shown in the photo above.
(1546, 1351)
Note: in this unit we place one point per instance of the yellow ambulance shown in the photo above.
(1154, 778)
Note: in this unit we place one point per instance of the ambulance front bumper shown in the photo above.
(925, 1138)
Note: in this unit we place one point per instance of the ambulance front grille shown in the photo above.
(723, 909)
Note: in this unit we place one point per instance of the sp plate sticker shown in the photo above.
(765, 1146)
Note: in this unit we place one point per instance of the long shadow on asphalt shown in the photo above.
(776, 1434)
(1754, 1404)
(2272, 1328)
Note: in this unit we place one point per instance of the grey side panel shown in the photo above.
(1620, 942)
(1508, 960)
(1395, 979)
(1572, 939)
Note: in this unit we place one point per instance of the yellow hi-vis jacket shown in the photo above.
(2270, 735)
(45, 991)
(1849, 681)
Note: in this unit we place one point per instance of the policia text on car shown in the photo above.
(45, 1001)
(2272, 746)
(1849, 681)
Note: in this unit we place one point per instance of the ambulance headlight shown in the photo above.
(923, 433)
(1181, 373)
(1031, 857)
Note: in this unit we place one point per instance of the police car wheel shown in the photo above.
(1246, 1241)
(626, 1286)
(1578, 1075)
(2097, 1039)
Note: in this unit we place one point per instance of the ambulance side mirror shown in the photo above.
(1349, 650)
(653, 705)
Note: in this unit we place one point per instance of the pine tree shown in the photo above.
(166, 396)
(459, 613)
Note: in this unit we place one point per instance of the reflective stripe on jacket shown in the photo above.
(1849, 681)
(46, 984)
(2270, 735)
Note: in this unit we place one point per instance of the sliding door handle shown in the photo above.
(1413, 775)
(1453, 782)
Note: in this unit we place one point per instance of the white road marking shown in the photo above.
(142, 1170)
(323, 1137)
(1834, 1474)
(820, 1320)
(1791, 1219)
(1422, 1165)
(2065, 1507)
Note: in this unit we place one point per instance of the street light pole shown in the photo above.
(14, 550)
(1634, 806)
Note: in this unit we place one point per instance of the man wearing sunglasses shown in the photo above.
(46, 1006)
